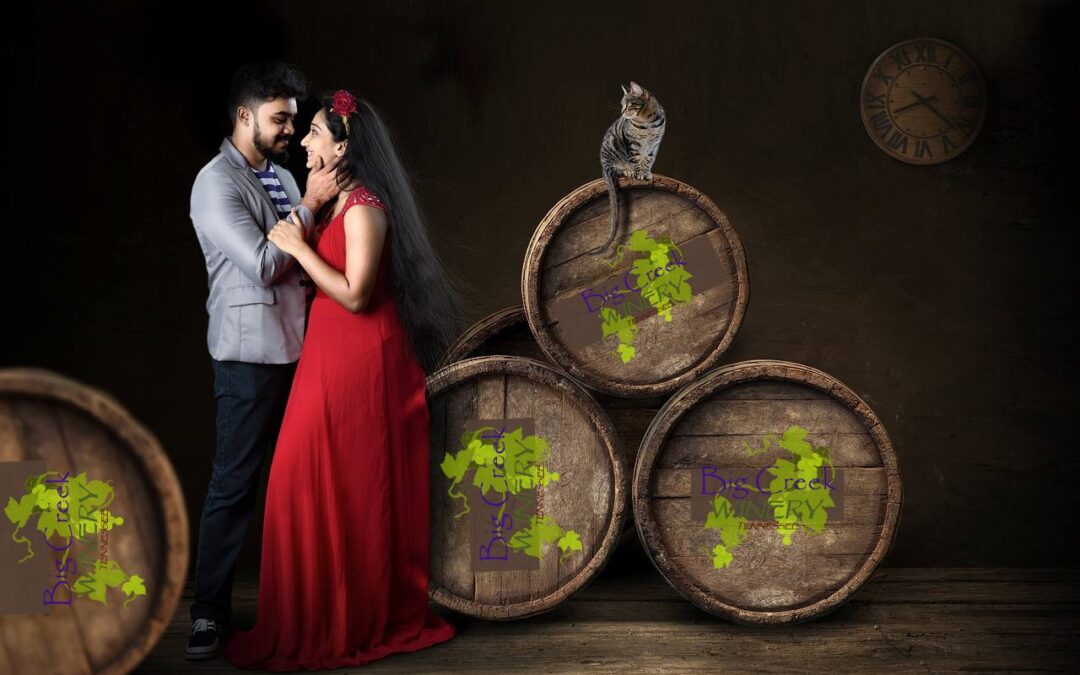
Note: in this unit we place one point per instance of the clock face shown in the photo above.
(923, 101)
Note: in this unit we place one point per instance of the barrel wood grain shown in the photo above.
(589, 497)
(76, 428)
(506, 332)
(669, 354)
(767, 582)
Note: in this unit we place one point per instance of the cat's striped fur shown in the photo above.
(630, 145)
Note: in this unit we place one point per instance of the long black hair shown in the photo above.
(429, 299)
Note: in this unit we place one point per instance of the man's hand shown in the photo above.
(288, 236)
(322, 185)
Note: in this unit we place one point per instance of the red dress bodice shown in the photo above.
(330, 244)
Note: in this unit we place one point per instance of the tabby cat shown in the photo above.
(630, 145)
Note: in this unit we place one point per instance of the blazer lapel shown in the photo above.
(241, 166)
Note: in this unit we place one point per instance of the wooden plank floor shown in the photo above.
(629, 619)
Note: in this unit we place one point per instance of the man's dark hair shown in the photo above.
(256, 83)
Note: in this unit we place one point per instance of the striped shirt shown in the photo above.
(281, 201)
(273, 188)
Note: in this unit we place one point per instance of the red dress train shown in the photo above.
(344, 574)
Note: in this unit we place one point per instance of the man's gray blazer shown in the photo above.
(256, 302)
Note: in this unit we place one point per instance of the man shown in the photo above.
(257, 312)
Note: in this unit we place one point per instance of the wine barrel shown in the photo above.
(527, 487)
(653, 314)
(725, 499)
(127, 560)
(506, 332)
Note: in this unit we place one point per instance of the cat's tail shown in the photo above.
(613, 203)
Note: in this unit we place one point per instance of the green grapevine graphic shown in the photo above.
(732, 530)
(623, 328)
(518, 467)
(73, 508)
(790, 492)
(662, 290)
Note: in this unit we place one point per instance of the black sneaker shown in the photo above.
(205, 640)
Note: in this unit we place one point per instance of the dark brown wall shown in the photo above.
(943, 295)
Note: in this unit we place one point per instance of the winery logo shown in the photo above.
(655, 282)
(499, 475)
(799, 491)
(71, 516)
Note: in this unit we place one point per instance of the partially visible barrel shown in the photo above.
(657, 310)
(767, 492)
(506, 332)
(82, 453)
(527, 487)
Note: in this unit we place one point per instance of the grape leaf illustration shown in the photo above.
(133, 587)
(455, 466)
(614, 323)
(94, 584)
(77, 516)
(793, 508)
(568, 543)
(732, 530)
(662, 292)
(799, 507)
(543, 530)
(507, 463)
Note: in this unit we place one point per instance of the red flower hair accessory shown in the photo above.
(344, 105)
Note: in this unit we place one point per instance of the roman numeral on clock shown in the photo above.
(881, 123)
(898, 141)
(946, 144)
(879, 74)
(964, 124)
(925, 53)
(875, 101)
(900, 57)
(922, 148)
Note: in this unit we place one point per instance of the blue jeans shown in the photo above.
(251, 400)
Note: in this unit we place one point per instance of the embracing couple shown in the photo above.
(326, 312)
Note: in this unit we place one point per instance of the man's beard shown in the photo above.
(267, 149)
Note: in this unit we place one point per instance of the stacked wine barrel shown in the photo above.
(132, 528)
(765, 492)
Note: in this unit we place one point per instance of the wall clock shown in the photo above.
(923, 101)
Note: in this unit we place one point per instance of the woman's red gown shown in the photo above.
(344, 574)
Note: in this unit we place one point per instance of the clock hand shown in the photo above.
(926, 101)
(943, 118)
(920, 100)
(909, 106)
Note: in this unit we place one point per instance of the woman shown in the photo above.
(344, 575)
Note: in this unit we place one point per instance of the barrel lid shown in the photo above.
(516, 537)
(755, 555)
(655, 312)
(131, 546)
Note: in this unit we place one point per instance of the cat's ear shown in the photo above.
(624, 89)
(636, 89)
